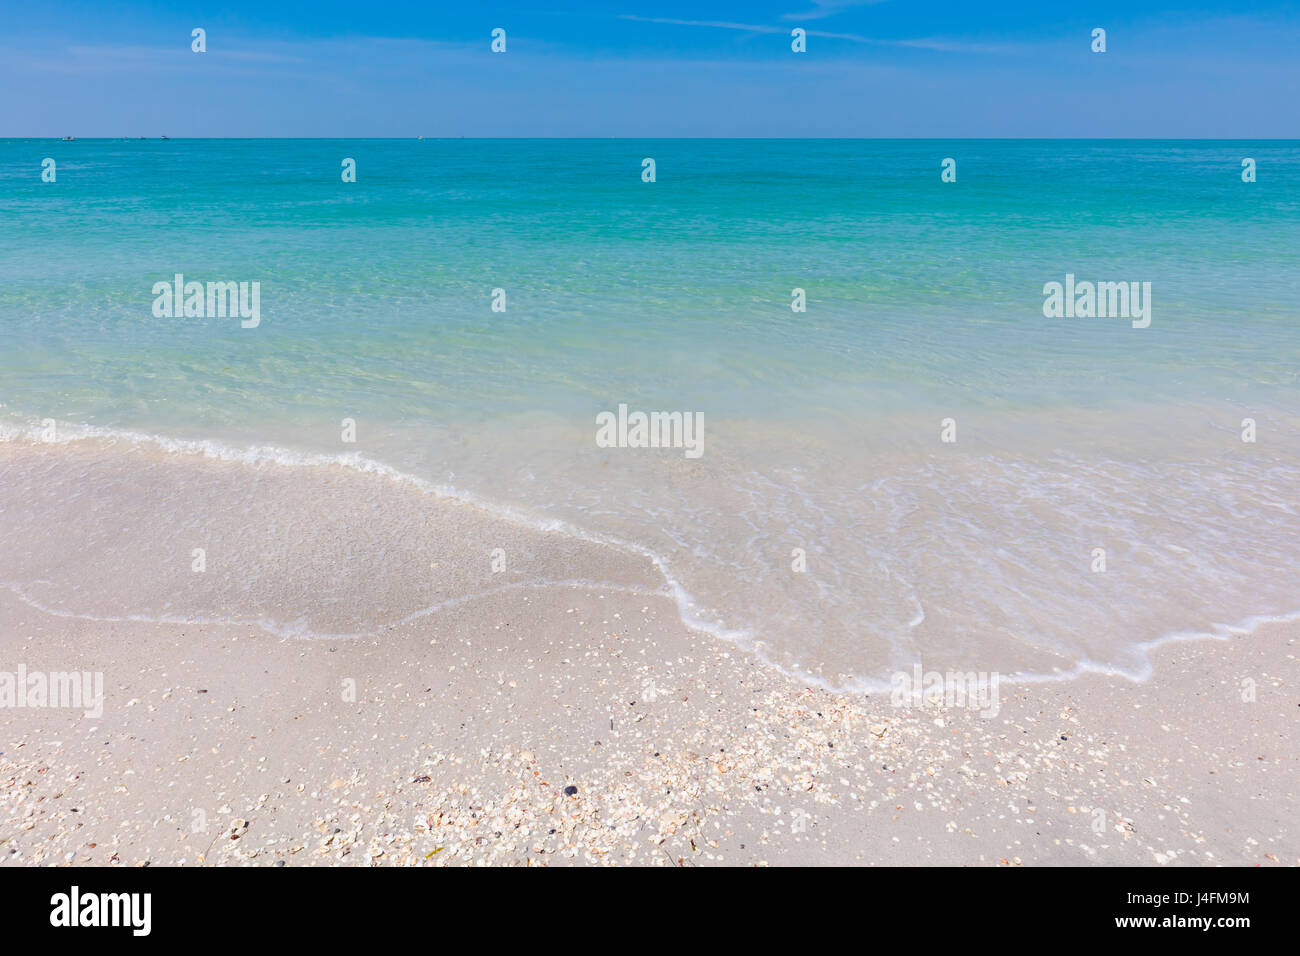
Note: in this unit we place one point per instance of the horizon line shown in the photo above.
(418, 137)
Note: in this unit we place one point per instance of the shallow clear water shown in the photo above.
(822, 429)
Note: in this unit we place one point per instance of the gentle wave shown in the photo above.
(263, 456)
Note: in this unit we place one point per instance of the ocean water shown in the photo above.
(822, 441)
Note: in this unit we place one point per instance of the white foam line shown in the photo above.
(268, 626)
(258, 456)
(300, 633)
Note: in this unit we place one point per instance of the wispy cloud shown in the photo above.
(936, 44)
(828, 8)
(746, 27)
(722, 24)
(280, 58)
(942, 45)
(136, 56)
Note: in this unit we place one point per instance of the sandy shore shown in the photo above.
(499, 717)
(225, 745)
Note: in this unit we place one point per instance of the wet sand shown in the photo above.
(555, 711)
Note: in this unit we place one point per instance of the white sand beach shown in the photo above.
(583, 724)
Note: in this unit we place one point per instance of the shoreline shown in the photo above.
(193, 468)
(466, 729)
(453, 737)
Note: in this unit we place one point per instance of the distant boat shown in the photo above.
(166, 137)
(69, 139)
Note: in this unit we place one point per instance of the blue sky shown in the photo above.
(642, 68)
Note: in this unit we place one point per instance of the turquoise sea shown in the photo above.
(823, 428)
